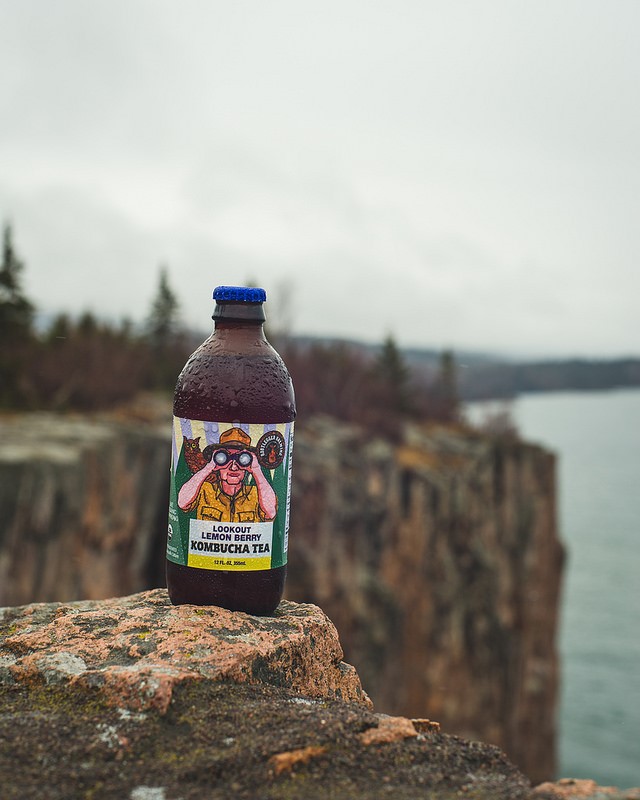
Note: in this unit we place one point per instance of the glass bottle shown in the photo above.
(233, 414)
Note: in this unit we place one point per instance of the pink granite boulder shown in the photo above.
(136, 649)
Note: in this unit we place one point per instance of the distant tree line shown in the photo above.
(504, 380)
(375, 390)
(84, 363)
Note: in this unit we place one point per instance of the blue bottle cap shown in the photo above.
(239, 294)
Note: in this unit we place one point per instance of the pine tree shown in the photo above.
(87, 326)
(446, 388)
(395, 377)
(16, 336)
(16, 312)
(165, 338)
(162, 323)
(60, 330)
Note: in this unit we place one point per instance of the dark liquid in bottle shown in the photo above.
(234, 376)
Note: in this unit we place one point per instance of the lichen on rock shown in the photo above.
(136, 649)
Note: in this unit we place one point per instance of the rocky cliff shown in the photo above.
(439, 561)
(437, 556)
(82, 507)
(135, 698)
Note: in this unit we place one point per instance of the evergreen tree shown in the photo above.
(165, 338)
(395, 378)
(87, 325)
(162, 323)
(446, 388)
(60, 331)
(16, 312)
(16, 337)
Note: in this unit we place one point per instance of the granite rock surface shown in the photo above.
(134, 698)
(137, 649)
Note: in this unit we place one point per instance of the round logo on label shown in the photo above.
(270, 449)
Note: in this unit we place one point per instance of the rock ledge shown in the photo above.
(136, 649)
(135, 699)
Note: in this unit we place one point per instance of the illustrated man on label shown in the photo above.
(219, 491)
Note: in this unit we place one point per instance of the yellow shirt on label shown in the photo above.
(213, 503)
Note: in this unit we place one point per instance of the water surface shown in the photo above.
(597, 438)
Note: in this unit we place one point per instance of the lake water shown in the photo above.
(597, 438)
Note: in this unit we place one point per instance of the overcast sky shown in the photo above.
(460, 174)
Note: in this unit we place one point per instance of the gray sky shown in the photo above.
(460, 174)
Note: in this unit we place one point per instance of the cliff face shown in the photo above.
(437, 557)
(83, 507)
(439, 561)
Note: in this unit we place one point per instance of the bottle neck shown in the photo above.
(239, 324)
(250, 313)
(238, 331)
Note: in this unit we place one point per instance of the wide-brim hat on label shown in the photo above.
(236, 437)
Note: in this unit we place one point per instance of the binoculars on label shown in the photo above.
(222, 457)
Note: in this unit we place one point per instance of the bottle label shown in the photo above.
(229, 498)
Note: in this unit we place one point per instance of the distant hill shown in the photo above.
(484, 376)
(503, 380)
(415, 356)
